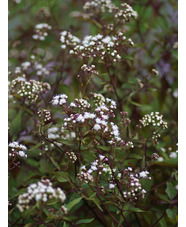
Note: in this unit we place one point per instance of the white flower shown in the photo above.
(94, 167)
(101, 157)
(80, 118)
(111, 186)
(173, 155)
(22, 154)
(143, 174)
(160, 159)
(97, 127)
(38, 197)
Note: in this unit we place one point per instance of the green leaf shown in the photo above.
(104, 148)
(16, 124)
(134, 103)
(136, 210)
(94, 199)
(163, 197)
(55, 163)
(51, 201)
(71, 204)
(96, 23)
(171, 213)
(35, 147)
(66, 142)
(61, 176)
(171, 190)
(10, 211)
(128, 57)
(29, 225)
(84, 221)
(32, 162)
(173, 162)
(51, 217)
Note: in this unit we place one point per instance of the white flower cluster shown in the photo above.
(40, 69)
(105, 47)
(30, 90)
(67, 135)
(129, 144)
(17, 149)
(133, 185)
(99, 99)
(154, 119)
(89, 69)
(25, 65)
(45, 114)
(32, 66)
(127, 179)
(41, 31)
(59, 100)
(126, 13)
(67, 39)
(98, 119)
(53, 133)
(122, 15)
(72, 156)
(41, 191)
(99, 6)
(99, 166)
(84, 175)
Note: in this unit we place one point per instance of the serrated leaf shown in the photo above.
(84, 221)
(71, 204)
(61, 176)
(55, 163)
(171, 190)
(163, 197)
(171, 213)
(137, 210)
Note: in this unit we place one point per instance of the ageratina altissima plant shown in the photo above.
(84, 143)
(88, 125)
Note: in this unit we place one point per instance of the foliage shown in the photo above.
(93, 113)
